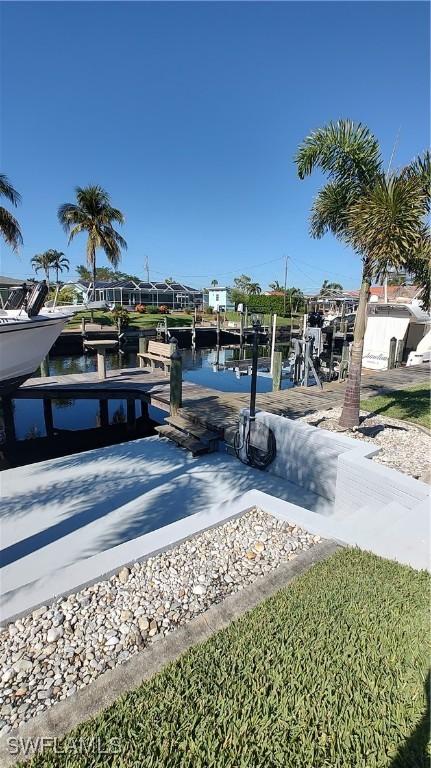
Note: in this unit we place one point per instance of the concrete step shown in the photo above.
(196, 447)
(391, 531)
(200, 431)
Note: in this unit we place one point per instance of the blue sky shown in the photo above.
(189, 114)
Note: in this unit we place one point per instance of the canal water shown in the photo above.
(203, 366)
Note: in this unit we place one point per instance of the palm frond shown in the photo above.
(345, 150)
(330, 208)
(8, 191)
(10, 229)
(386, 223)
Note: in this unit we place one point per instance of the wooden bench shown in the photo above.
(157, 352)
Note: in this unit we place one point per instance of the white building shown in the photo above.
(219, 298)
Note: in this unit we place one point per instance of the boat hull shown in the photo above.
(23, 345)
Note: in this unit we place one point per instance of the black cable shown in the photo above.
(255, 457)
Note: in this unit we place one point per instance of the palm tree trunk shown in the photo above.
(350, 414)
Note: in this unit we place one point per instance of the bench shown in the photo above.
(157, 352)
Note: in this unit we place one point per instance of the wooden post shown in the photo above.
(344, 365)
(193, 332)
(44, 366)
(143, 348)
(47, 415)
(218, 327)
(331, 360)
(392, 352)
(131, 414)
(176, 379)
(101, 364)
(83, 327)
(8, 419)
(246, 316)
(274, 331)
(144, 409)
(104, 413)
(399, 353)
(241, 329)
(276, 370)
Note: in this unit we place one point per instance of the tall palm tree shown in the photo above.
(214, 282)
(93, 213)
(59, 262)
(254, 289)
(42, 262)
(9, 226)
(328, 289)
(382, 216)
(275, 286)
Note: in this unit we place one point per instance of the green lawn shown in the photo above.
(328, 673)
(137, 320)
(412, 404)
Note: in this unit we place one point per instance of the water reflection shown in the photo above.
(203, 366)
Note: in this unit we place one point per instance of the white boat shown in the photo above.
(27, 333)
(408, 324)
(24, 343)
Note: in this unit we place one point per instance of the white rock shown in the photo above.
(123, 575)
(8, 675)
(53, 635)
(199, 589)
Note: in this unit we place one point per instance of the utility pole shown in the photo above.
(147, 269)
(285, 285)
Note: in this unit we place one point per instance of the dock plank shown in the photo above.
(210, 407)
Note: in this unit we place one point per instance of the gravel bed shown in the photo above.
(403, 446)
(49, 654)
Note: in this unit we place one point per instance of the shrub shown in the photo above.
(163, 309)
(121, 314)
(141, 308)
(210, 310)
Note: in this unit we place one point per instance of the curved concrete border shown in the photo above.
(88, 702)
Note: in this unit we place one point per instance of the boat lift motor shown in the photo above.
(254, 442)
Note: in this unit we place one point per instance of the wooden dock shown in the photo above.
(209, 407)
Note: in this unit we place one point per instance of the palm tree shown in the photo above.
(214, 282)
(42, 261)
(59, 262)
(9, 226)
(254, 289)
(275, 286)
(94, 214)
(382, 216)
(329, 289)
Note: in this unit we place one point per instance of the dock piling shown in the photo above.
(44, 367)
(277, 362)
(143, 348)
(101, 364)
(392, 352)
(176, 379)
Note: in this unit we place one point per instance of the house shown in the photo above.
(401, 294)
(219, 298)
(129, 293)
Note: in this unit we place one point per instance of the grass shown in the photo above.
(410, 404)
(137, 320)
(328, 673)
